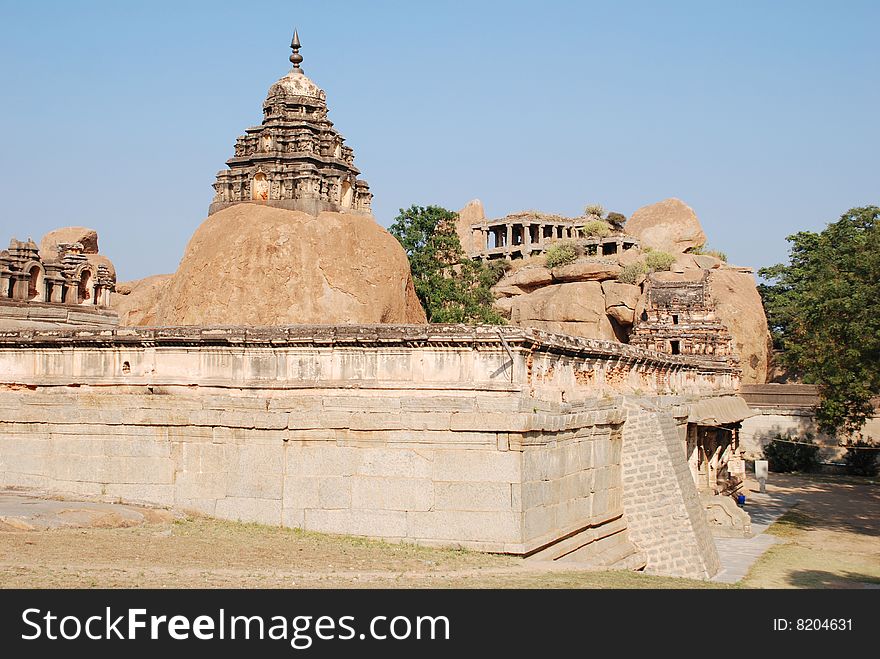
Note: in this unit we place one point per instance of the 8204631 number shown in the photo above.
(812, 624)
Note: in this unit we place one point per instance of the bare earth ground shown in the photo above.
(832, 540)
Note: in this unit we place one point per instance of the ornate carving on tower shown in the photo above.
(295, 159)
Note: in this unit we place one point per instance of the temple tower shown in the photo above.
(295, 159)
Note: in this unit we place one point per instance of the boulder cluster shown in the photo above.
(586, 297)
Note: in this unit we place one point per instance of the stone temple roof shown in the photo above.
(296, 83)
(295, 159)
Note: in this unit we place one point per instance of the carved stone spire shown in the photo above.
(295, 159)
(296, 59)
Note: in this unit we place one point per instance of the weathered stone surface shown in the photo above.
(506, 291)
(472, 213)
(708, 262)
(85, 236)
(739, 307)
(620, 301)
(576, 308)
(528, 277)
(669, 225)
(137, 301)
(630, 256)
(585, 271)
(504, 305)
(255, 265)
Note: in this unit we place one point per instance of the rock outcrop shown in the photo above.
(621, 301)
(255, 265)
(669, 225)
(584, 298)
(529, 278)
(576, 308)
(137, 302)
(586, 271)
(88, 238)
(739, 308)
(471, 213)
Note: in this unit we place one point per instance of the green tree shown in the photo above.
(452, 287)
(824, 314)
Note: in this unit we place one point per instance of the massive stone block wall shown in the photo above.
(499, 440)
(395, 464)
(664, 514)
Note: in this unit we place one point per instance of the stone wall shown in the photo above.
(664, 513)
(788, 410)
(500, 440)
(40, 315)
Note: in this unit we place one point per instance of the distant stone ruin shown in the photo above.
(64, 288)
(531, 233)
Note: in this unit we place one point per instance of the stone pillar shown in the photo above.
(541, 234)
(20, 287)
(71, 293)
(57, 291)
(509, 236)
(4, 284)
(527, 238)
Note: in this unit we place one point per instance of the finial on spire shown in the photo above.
(296, 59)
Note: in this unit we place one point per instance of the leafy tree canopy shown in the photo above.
(824, 314)
(452, 287)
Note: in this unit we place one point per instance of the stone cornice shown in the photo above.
(387, 336)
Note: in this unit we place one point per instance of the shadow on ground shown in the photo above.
(834, 504)
(822, 579)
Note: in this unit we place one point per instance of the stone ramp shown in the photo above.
(739, 554)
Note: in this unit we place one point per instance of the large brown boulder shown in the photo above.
(739, 307)
(255, 265)
(473, 212)
(49, 243)
(137, 301)
(621, 301)
(669, 225)
(88, 238)
(577, 308)
(532, 276)
(586, 271)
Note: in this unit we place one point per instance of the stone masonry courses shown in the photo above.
(499, 439)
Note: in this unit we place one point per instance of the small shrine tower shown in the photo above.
(295, 159)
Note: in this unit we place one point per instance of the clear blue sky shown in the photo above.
(763, 116)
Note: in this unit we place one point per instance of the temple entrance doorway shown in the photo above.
(36, 287)
(85, 287)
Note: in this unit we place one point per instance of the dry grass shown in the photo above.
(201, 552)
(831, 539)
